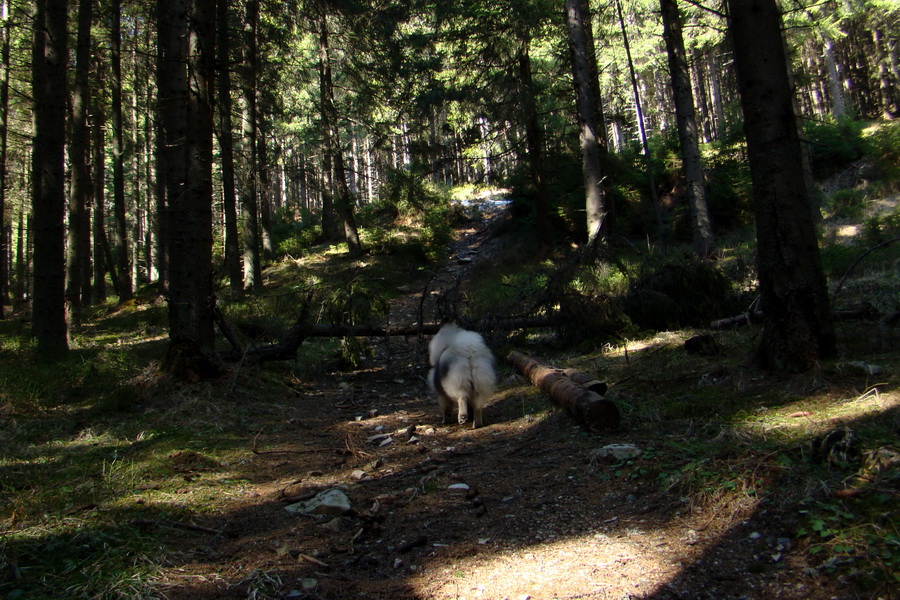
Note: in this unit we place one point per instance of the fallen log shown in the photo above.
(588, 407)
(287, 346)
(587, 381)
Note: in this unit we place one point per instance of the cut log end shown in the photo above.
(602, 415)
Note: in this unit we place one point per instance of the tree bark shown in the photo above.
(226, 143)
(101, 252)
(340, 190)
(534, 140)
(79, 159)
(48, 179)
(265, 190)
(588, 407)
(592, 137)
(5, 229)
(250, 187)
(685, 116)
(639, 114)
(797, 322)
(123, 266)
(188, 44)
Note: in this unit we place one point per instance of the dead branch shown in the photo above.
(591, 409)
(178, 524)
(304, 451)
(840, 284)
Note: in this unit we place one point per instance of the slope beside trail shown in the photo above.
(535, 518)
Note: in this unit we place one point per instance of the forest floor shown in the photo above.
(706, 511)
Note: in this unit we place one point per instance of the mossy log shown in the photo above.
(590, 408)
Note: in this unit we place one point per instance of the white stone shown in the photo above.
(329, 502)
(617, 451)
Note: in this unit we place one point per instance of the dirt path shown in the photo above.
(535, 517)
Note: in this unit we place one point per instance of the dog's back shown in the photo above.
(462, 372)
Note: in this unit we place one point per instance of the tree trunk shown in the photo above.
(835, 85)
(123, 267)
(639, 114)
(48, 176)
(5, 229)
(588, 407)
(592, 137)
(699, 77)
(534, 140)
(21, 260)
(250, 191)
(715, 92)
(797, 320)
(704, 246)
(340, 191)
(888, 107)
(186, 33)
(265, 191)
(159, 219)
(79, 158)
(226, 143)
(101, 252)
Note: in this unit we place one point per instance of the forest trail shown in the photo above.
(520, 509)
(427, 301)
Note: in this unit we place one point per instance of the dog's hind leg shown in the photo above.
(463, 409)
(446, 408)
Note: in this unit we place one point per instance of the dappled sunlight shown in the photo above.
(657, 341)
(617, 562)
(815, 414)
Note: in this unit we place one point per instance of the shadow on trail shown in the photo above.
(537, 518)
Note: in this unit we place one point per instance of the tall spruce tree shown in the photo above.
(686, 121)
(49, 53)
(797, 320)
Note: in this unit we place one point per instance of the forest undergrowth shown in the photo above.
(117, 480)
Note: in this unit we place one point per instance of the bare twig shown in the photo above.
(840, 284)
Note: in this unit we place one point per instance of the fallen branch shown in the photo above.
(179, 524)
(840, 285)
(591, 409)
(850, 314)
(290, 342)
(741, 319)
(304, 451)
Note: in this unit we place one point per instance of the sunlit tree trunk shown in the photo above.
(639, 114)
(835, 86)
(715, 94)
(226, 144)
(343, 199)
(591, 133)
(685, 117)
(78, 158)
(797, 319)
(101, 251)
(886, 89)
(5, 228)
(265, 192)
(48, 176)
(250, 187)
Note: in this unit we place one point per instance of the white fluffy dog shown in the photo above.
(462, 373)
